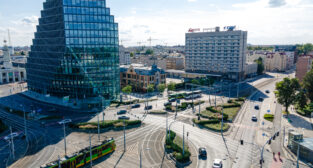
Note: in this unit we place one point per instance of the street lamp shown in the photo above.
(65, 122)
(25, 127)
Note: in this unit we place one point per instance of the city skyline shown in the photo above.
(268, 21)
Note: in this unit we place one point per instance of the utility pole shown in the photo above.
(64, 138)
(103, 114)
(298, 155)
(98, 128)
(13, 155)
(193, 109)
(199, 111)
(229, 91)
(59, 161)
(90, 150)
(183, 140)
(25, 127)
(215, 99)
(222, 121)
(140, 158)
(176, 107)
(166, 125)
(124, 137)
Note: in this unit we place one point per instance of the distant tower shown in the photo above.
(10, 46)
(7, 64)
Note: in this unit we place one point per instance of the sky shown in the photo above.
(166, 21)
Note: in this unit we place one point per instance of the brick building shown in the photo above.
(304, 65)
(140, 76)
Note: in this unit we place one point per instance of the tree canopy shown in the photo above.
(127, 89)
(150, 88)
(304, 49)
(260, 70)
(171, 86)
(149, 52)
(161, 88)
(308, 84)
(286, 91)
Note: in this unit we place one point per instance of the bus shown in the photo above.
(194, 94)
(82, 157)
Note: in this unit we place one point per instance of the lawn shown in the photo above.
(231, 112)
(217, 127)
(179, 141)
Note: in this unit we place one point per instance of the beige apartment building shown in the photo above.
(276, 62)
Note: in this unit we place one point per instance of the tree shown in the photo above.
(260, 66)
(171, 86)
(195, 81)
(161, 88)
(301, 99)
(127, 89)
(132, 54)
(150, 88)
(149, 52)
(304, 49)
(286, 91)
(308, 85)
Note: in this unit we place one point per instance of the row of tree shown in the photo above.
(304, 49)
(290, 91)
(151, 88)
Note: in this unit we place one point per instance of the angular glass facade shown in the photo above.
(75, 53)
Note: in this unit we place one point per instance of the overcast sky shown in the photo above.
(167, 21)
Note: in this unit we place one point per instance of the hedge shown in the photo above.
(231, 105)
(212, 110)
(107, 124)
(176, 148)
(269, 117)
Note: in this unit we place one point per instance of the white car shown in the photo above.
(217, 163)
(65, 121)
(13, 135)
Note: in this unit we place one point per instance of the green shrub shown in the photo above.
(232, 105)
(230, 101)
(212, 110)
(269, 117)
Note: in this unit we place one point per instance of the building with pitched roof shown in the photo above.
(140, 76)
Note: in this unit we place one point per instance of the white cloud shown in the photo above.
(287, 24)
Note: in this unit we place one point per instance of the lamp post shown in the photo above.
(25, 127)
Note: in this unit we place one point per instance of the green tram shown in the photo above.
(82, 157)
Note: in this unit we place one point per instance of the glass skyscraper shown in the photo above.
(75, 53)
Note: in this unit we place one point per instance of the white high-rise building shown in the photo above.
(217, 52)
(124, 56)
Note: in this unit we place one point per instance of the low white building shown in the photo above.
(8, 73)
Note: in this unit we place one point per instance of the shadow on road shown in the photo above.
(299, 122)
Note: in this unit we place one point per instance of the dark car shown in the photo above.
(254, 118)
(257, 107)
(123, 118)
(136, 106)
(121, 112)
(148, 107)
(167, 104)
(202, 152)
(172, 100)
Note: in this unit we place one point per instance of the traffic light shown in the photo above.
(269, 142)
(241, 142)
(277, 134)
(274, 137)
